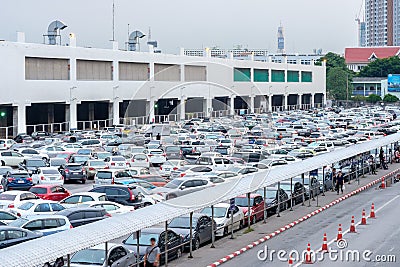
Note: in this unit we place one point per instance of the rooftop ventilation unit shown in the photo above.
(53, 31)
(134, 40)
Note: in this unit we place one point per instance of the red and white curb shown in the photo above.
(302, 219)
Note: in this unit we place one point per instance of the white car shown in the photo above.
(74, 147)
(171, 165)
(11, 158)
(140, 160)
(47, 175)
(156, 156)
(7, 217)
(111, 207)
(30, 152)
(51, 149)
(116, 162)
(34, 207)
(6, 143)
(12, 199)
(222, 218)
(79, 198)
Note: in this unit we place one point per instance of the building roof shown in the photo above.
(369, 79)
(365, 54)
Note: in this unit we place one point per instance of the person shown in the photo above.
(158, 137)
(397, 156)
(339, 182)
(382, 158)
(152, 256)
(371, 162)
(333, 178)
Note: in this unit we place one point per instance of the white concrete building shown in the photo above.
(66, 87)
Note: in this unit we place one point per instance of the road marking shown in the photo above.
(348, 230)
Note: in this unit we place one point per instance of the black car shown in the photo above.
(127, 195)
(10, 236)
(174, 242)
(272, 199)
(23, 138)
(294, 191)
(73, 172)
(249, 156)
(189, 152)
(84, 215)
(201, 229)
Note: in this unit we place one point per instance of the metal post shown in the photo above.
(232, 224)
(304, 191)
(106, 253)
(212, 227)
(191, 236)
(248, 211)
(68, 260)
(309, 189)
(279, 200)
(291, 194)
(137, 248)
(166, 243)
(357, 177)
(362, 166)
(265, 205)
(323, 182)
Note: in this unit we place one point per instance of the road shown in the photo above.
(380, 235)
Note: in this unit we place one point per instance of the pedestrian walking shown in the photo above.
(333, 178)
(339, 182)
(371, 162)
(152, 256)
(382, 158)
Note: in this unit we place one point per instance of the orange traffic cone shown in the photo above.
(308, 255)
(325, 244)
(383, 184)
(372, 214)
(352, 226)
(339, 235)
(364, 218)
(290, 261)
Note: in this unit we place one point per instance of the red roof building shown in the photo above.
(359, 57)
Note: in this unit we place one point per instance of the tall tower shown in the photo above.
(379, 22)
(281, 40)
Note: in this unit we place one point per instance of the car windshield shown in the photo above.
(50, 172)
(26, 206)
(219, 212)
(182, 222)
(173, 184)
(118, 159)
(104, 175)
(144, 239)
(7, 197)
(74, 167)
(242, 201)
(89, 256)
(80, 159)
(18, 222)
(20, 175)
(38, 190)
(35, 163)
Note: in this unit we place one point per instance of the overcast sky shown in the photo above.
(309, 24)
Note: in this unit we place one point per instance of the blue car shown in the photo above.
(18, 180)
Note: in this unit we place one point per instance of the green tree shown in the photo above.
(390, 98)
(359, 98)
(337, 84)
(338, 76)
(381, 67)
(373, 98)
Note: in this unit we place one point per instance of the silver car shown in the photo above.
(182, 186)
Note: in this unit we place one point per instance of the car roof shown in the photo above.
(44, 216)
(252, 195)
(94, 194)
(45, 185)
(102, 246)
(15, 192)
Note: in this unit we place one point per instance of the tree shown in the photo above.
(338, 76)
(359, 98)
(373, 98)
(337, 84)
(381, 67)
(390, 98)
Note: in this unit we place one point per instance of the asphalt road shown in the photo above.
(380, 235)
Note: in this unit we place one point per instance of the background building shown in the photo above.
(359, 57)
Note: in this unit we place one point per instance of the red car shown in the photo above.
(50, 192)
(155, 180)
(256, 207)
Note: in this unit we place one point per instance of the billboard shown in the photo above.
(394, 83)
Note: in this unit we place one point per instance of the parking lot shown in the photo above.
(106, 173)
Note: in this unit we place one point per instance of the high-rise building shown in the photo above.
(281, 40)
(396, 22)
(379, 15)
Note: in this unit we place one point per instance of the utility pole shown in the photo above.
(113, 21)
(347, 90)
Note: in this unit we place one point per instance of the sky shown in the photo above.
(308, 24)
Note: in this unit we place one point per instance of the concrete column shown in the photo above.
(207, 107)
(252, 104)
(182, 69)
(21, 118)
(15, 120)
(115, 113)
(73, 123)
(364, 90)
(312, 100)
(151, 70)
(232, 105)
(300, 101)
(182, 110)
(285, 100)
(50, 113)
(324, 100)
(270, 103)
(150, 110)
(91, 111)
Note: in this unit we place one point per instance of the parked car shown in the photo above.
(139, 160)
(171, 165)
(46, 224)
(7, 217)
(12, 199)
(79, 216)
(256, 212)
(50, 192)
(117, 255)
(18, 180)
(110, 176)
(173, 152)
(47, 175)
(273, 197)
(73, 172)
(182, 186)
(313, 189)
(116, 162)
(155, 180)
(6, 143)
(79, 198)
(201, 225)
(222, 217)
(174, 242)
(295, 191)
(112, 208)
(92, 166)
(10, 236)
(11, 158)
(156, 156)
(38, 206)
